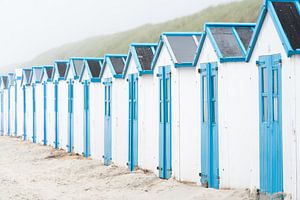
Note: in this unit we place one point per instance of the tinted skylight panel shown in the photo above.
(62, 67)
(27, 75)
(290, 21)
(49, 71)
(145, 56)
(5, 81)
(38, 73)
(78, 65)
(226, 42)
(118, 64)
(95, 67)
(184, 48)
(245, 34)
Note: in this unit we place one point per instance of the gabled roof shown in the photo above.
(230, 41)
(11, 79)
(143, 54)
(18, 74)
(48, 73)
(37, 74)
(76, 66)
(93, 67)
(26, 77)
(286, 17)
(181, 46)
(4, 82)
(116, 64)
(61, 69)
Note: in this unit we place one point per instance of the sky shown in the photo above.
(30, 27)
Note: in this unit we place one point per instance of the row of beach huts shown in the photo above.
(219, 108)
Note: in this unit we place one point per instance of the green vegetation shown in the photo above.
(242, 11)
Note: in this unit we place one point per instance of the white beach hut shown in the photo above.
(18, 104)
(61, 104)
(274, 57)
(140, 98)
(226, 134)
(11, 104)
(75, 106)
(27, 103)
(93, 108)
(115, 110)
(176, 103)
(48, 104)
(4, 101)
(37, 104)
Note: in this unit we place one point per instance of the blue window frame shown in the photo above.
(107, 157)
(86, 119)
(71, 116)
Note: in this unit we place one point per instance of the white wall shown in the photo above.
(63, 114)
(29, 115)
(39, 106)
(78, 107)
(20, 113)
(12, 110)
(50, 114)
(5, 111)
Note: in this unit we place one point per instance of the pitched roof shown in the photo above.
(116, 64)
(26, 76)
(94, 67)
(229, 40)
(48, 72)
(143, 54)
(37, 74)
(11, 79)
(286, 17)
(76, 65)
(181, 46)
(61, 69)
(4, 82)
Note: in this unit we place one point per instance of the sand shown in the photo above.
(32, 171)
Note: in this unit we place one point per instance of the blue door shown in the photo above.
(56, 143)
(45, 113)
(8, 112)
(33, 114)
(71, 116)
(165, 145)
(270, 139)
(16, 109)
(209, 126)
(107, 122)
(133, 122)
(86, 119)
(24, 113)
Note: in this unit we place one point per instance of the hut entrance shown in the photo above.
(270, 144)
(107, 122)
(86, 119)
(71, 116)
(165, 146)
(133, 122)
(209, 126)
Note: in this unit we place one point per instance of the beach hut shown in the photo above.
(48, 104)
(93, 107)
(226, 134)
(139, 76)
(75, 107)
(37, 104)
(27, 103)
(18, 104)
(274, 57)
(115, 110)
(11, 104)
(61, 104)
(4, 102)
(175, 100)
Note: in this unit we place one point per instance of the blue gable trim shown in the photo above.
(34, 74)
(110, 65)
(199, 49)
(49, 79)
(56, 69)
(284, 40)
(72, 67)
(85, 67)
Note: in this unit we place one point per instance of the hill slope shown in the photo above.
(243, 11)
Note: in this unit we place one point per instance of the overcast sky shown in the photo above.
(29, 27)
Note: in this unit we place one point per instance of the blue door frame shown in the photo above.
(71, 116)
(45, 113)
(24, 113)
(270, 138)
(86, 119)
(56, 142)
(8, 111)
(133, 121)
(209, 126)
(33, 114)
(16, 109)
(107, 157)
(165, 119)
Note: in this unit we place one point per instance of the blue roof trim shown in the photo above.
(52, 75)
(162, 42)
(85, 67)
(133, 54)
(268, 6)
(27, 82)
(223, 59)
(34, 74)
(11, 78)
(56, 70)
(199, 49)
(109, 63)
